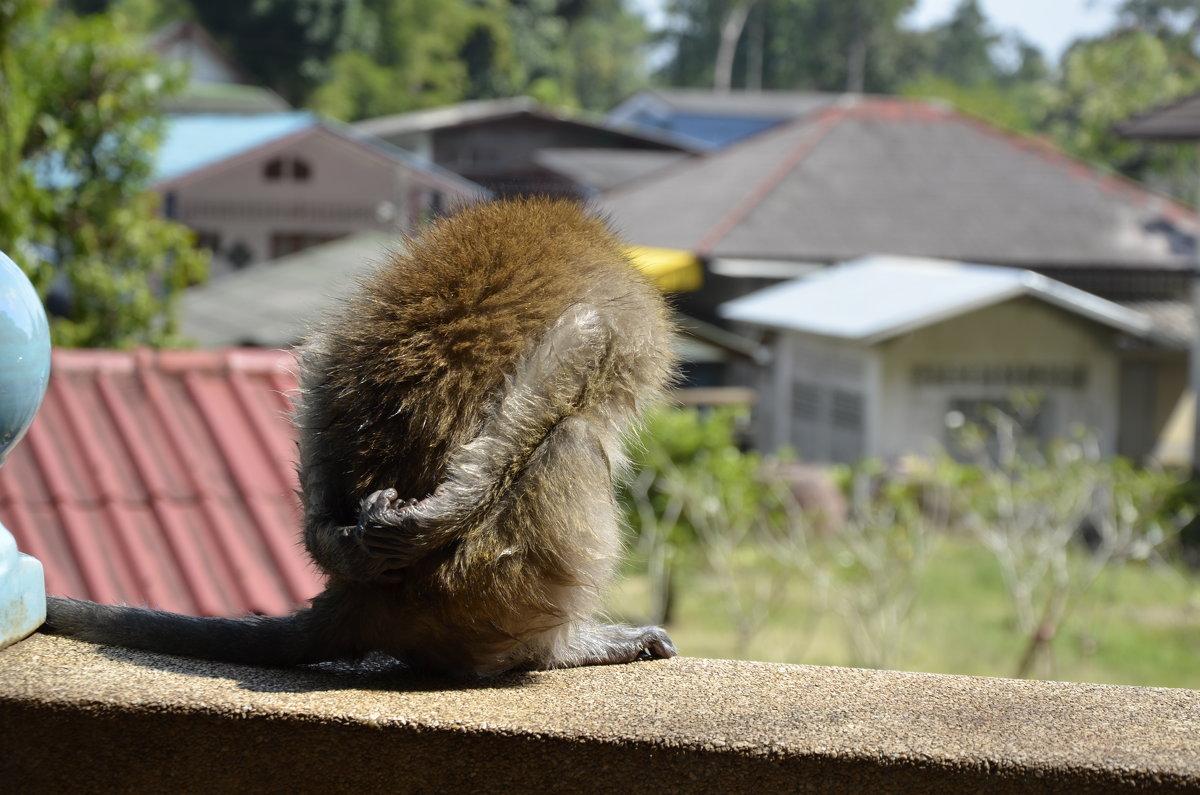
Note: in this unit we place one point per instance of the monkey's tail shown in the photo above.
(254, 640)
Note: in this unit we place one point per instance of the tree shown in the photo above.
(413, 62)
(1161, 18)
(731, 31)
(824, 45)
(963, 49)
(434, 52)
(79, 131)
(1105, 81)
(287, 45)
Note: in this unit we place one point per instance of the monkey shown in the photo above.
(460, 422)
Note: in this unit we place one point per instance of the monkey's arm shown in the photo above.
(557, 379)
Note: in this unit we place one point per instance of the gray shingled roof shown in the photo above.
(1178, 121)
(274, 304)
(884, 175)
(603, 169)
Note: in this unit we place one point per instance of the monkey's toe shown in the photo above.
(658, 645)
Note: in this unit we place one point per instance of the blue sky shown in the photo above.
(1050, 24)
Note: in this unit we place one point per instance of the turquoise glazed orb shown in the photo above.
(24, 354)
(24, 374)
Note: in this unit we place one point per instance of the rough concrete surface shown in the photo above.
(81, 718)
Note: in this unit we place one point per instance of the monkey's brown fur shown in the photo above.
(459, 423)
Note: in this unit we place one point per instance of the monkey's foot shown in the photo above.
(384, 508)
(656, 644)
(604, 644)
(386, 531)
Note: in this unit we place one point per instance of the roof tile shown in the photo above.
(164, 478)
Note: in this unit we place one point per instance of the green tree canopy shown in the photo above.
(1105, 81)
(80, 126)
(821, 45)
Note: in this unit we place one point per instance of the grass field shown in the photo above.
(1139, 624)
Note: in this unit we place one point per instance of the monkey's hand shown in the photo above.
(387, 530)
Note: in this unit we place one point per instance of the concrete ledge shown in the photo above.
(80, 718)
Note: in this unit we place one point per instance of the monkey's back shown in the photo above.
(405, 373)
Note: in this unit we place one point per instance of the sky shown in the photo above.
(1049, 24)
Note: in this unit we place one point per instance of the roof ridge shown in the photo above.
(823, 121)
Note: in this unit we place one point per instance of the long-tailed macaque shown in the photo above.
(460, 422)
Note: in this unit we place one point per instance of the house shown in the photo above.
(496, 142)
(164, 478)
(1175, 122)
(881, 175)
(714, 119)
(263, 186)
(215, 83)
(870, 357)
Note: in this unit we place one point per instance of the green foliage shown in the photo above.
(805, 44)
(677, 447)
(287, 45)
(1020, 107)
(435, 52)
(963, 47)
(1105, 81)
(80, 127)
(1053, 517)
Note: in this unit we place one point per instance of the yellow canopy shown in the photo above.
(673, 270)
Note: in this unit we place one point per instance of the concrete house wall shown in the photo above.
(820, 398)
(839, 400)
(985, 356)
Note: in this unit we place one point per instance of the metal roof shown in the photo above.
(878, 297)
(756, 104)
(713, 119)
(164, 478)
(275, 304)
(193, 142)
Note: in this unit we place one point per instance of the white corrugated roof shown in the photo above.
(874, 298)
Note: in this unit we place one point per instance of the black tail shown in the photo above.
(254, 640)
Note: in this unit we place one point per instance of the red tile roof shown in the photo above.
(164, 478)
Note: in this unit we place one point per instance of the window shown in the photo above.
(1074, 376)
(847, 410)
(293, 168)
(806, 401)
